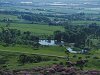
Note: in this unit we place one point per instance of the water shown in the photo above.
(53, 43)
(49, 42)
(71, 50)
(46, 42)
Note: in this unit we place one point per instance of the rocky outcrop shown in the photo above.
(52, 70)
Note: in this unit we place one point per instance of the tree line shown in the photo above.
(11, 37)
(50, 19)
(81, 36)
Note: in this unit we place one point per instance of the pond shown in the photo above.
(49, 42)
(85, 50)
(71, 50)
(54, 43)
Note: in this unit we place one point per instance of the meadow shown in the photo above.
(11, 17)
(12, 53)
(34, 28)
(57, 54)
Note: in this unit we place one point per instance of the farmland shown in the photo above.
(69, 32)
(34, 28)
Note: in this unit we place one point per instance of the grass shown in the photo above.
(52, 50)
(34, 28)
(11, 17)
(16, 65)
(12, 53)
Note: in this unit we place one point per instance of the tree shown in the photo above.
(58, 36)
(67, 53)
(23, 59)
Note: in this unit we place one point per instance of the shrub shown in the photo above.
(95, 57)
(3, 60)
(55, 59)
(32, 58)
(61, 63)
(87, 57)
(74, 56)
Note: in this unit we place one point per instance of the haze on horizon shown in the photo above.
(72, 1)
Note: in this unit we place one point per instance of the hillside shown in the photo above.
(49, 37)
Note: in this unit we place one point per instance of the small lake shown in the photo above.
(49, 42)
(54, 43)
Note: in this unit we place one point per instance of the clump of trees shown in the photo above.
(35, 18)
(50, 19)
(23, 58)
(82, 35)
(11, 37)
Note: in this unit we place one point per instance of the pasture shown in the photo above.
(11, 17)
(34, 28)
(57, 53)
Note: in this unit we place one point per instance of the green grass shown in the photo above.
(11, 17)
(15, 65)
(34, 28)
(52, 50)
(12, 53)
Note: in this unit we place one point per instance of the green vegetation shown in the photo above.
(85, 22)
(57, 51)
(12, 55)
(23, 27)
(55, 54)
(11, 17)
(34, 28)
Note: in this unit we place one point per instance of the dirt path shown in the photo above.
(33, 53)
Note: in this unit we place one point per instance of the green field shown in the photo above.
(12, 53)
(54, 50)
(34, 28)
(11, 17)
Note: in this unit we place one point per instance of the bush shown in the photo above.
(61, 63)
(74, 56)
(55, 59)
(3, 60)
(46, 58)
(32, 58)
(95, 57)
(87, 57)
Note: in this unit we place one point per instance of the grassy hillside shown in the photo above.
(53, 50)
(9, 55)
(12, 54)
